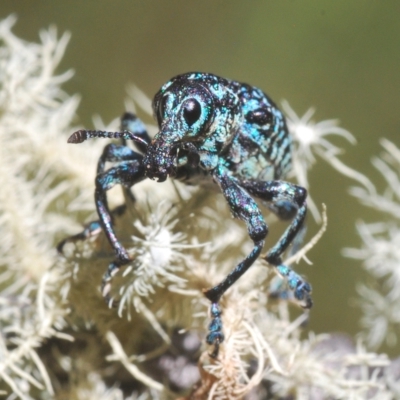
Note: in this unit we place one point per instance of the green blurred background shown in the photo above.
(343, 57)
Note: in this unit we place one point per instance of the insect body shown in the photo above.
(229, 132)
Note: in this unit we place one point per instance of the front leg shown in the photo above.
(126, 174)
(287, 200)
(132, 123)
(117, 153)
(111, 153)
(131, 129)
(244, 208)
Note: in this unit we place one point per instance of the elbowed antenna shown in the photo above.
(83, 134)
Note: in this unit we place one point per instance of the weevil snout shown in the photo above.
(159, 160)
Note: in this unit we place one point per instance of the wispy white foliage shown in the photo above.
(34, 113)
(92, 387)
(27, 324)
(60, 340)
(35, 116)
(380, 251)
(388, 165)
(309, 140)
(159, 256)
(119, 355)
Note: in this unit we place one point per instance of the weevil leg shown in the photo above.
(245, 208)
(116, 153)
(89, 230)
(111, 153)
(288, 201)
(278, 288)
(130, 122)
(127, 174)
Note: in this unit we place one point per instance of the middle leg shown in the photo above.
(244, 208)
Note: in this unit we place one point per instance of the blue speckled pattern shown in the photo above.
(210, 130)
(237, 120)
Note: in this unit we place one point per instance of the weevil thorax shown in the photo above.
(197, 113)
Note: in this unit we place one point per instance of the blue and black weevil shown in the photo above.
(215, 129)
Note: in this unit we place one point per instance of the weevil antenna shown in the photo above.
(83, 134)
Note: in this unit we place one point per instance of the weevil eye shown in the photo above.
(191, 111)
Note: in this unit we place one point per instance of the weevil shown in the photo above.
(215, 130)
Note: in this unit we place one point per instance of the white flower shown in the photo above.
(159, 256)
(381, 316)
(309, 140)
(309, 136)
(389, 167)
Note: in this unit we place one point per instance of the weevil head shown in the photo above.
(192, 115)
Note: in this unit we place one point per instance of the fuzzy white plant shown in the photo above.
(310, 140)
(152, 346)
(34, 115)
(380, 252)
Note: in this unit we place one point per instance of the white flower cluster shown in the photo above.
(380, 252)
(34, 111)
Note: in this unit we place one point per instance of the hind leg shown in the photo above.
(288, 201)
